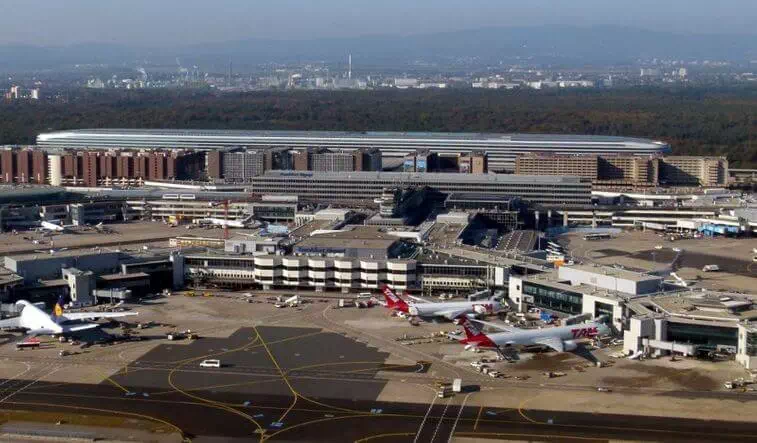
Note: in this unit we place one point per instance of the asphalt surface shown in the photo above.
(687, 259)
(307, 384)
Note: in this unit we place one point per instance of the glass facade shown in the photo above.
(453, 270)
(553, 298)
(601, 309)
(702, 334)
(751, 344)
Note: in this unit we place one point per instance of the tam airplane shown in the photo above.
(37, 322)
(561, 339)
(447, 310)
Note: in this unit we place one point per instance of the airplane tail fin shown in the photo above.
(474, 336)
(472, 331)
(393, 301)
(58, 309)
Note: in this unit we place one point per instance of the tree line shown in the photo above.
(694, 121)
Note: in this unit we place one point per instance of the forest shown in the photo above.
(693, 121)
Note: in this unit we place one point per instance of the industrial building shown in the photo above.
(500, 148)
(366, 187)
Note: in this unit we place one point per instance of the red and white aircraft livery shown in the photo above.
(561, 338)
(447, 310)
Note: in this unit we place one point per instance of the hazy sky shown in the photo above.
(170, 22)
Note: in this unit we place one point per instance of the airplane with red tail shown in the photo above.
(446, 310)
(561, 339)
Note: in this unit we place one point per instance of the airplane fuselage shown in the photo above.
(435, 309)
(533, 337)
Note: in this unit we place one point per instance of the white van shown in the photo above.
(210, 364)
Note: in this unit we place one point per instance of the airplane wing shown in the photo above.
(418, 299)
(9, 323)
(94, 315)
(553, 342)
(78, 328)
(497, 326)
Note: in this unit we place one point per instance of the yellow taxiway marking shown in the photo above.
(377, 436)
(109, 411)
(513, 434)
(478, 417)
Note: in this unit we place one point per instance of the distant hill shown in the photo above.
(548, 44)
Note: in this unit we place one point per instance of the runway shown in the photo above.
(286, 383)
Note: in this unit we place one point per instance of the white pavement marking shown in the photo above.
(431, 406)
(454, 425)
(30, 383)
(441, 420)
(28, 368)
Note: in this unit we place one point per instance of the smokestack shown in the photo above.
(349, 62)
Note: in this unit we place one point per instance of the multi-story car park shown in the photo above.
(500, 148)
(369, 186)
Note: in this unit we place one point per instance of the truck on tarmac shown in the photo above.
(457, 385)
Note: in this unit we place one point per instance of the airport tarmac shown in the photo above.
(152, 233)
(650, 251)
(313, 373)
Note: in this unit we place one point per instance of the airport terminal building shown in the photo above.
(501, 149)
(369, 186)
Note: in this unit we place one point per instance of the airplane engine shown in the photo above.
(413, 311)
(570, 345)
(479, 309)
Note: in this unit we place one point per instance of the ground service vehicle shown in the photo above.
(212, 363)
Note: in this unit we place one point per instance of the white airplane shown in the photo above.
(54, 227)
(448, 310)
(37, 322)
(243, 223)
(52, 251)
(561, 338)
